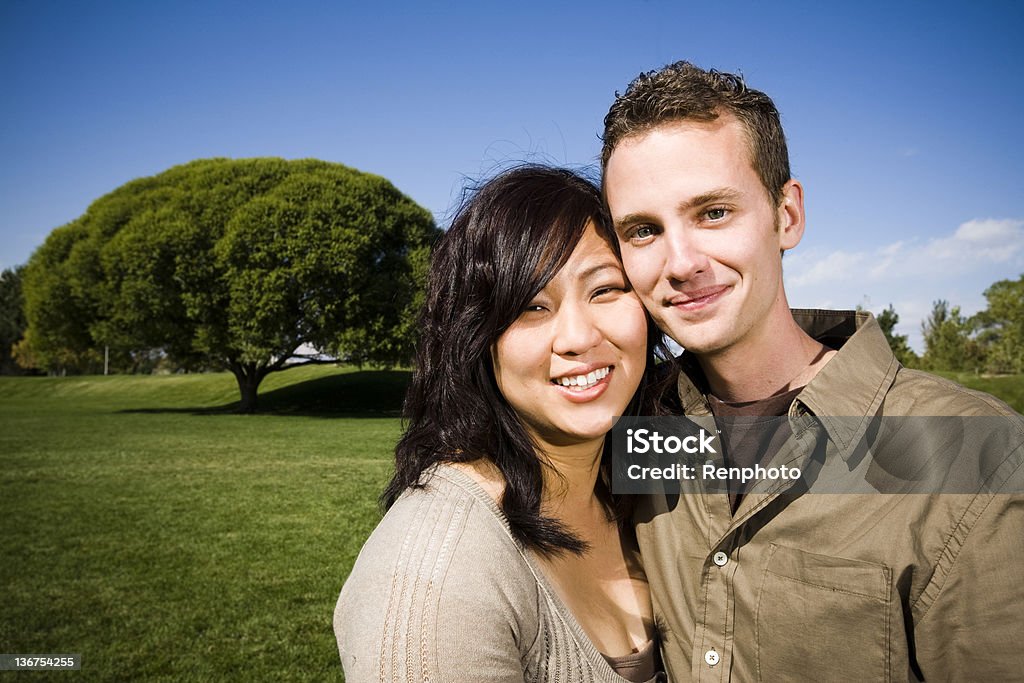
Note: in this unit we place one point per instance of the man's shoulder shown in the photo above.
(967, 440)
(920, 393)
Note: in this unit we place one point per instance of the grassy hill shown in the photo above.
(162, 537)
(148, 528)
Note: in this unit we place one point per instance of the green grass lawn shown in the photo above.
(146, 527)
(164, 538)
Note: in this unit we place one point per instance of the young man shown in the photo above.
(871, 582)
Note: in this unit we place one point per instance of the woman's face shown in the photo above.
(573, 359)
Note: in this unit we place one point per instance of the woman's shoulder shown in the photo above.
(440, 565)
(447, 515)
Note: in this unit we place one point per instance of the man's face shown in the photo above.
(699, 234)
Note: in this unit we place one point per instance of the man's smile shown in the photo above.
(698, 299)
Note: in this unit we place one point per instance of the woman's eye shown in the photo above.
(607, 290)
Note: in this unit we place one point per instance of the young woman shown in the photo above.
(503, 556)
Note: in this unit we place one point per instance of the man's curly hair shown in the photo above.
(682, 91)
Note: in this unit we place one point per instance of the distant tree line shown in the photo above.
(991, 341)
(225, 264)
(12, 318)
(242, 264)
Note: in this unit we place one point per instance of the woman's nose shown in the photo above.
(576, 331)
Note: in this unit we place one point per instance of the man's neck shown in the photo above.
(772, 360)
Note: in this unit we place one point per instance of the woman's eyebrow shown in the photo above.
(596, 269)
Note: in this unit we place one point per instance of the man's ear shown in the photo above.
(790, 215)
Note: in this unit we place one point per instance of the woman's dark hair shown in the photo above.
(504, 245)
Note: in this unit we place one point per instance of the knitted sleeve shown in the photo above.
(438, 593)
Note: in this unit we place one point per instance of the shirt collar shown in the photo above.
(852, 384)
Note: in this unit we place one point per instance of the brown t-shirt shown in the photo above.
(747, 441)
(638, 667)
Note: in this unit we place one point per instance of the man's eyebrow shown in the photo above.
(721, 194)
(631, 219)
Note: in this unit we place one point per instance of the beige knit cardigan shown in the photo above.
(442, 592)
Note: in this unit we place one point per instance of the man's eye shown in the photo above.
(716, 214)
(642, 232)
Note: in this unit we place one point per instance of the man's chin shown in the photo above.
(695, 338)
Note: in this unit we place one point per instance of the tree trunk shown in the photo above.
(249, 378)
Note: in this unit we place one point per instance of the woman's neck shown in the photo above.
(569, 482)
(570, 477)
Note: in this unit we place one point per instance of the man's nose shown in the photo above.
(576, 331)
(685, 259)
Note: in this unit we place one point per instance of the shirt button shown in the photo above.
(720, 558)
(711, 657)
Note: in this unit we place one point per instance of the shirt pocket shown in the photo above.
(823, 618)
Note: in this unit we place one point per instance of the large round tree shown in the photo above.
(234, 264)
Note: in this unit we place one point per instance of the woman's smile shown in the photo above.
(584, 387)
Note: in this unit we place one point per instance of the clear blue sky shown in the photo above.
(903, 118)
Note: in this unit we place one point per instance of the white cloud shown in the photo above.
(988, 229)
(811, 268)
(979, 241)
(912, 273)
(974, 244)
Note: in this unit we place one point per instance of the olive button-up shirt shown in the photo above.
(860, 584)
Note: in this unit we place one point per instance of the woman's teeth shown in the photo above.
(581, 382)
